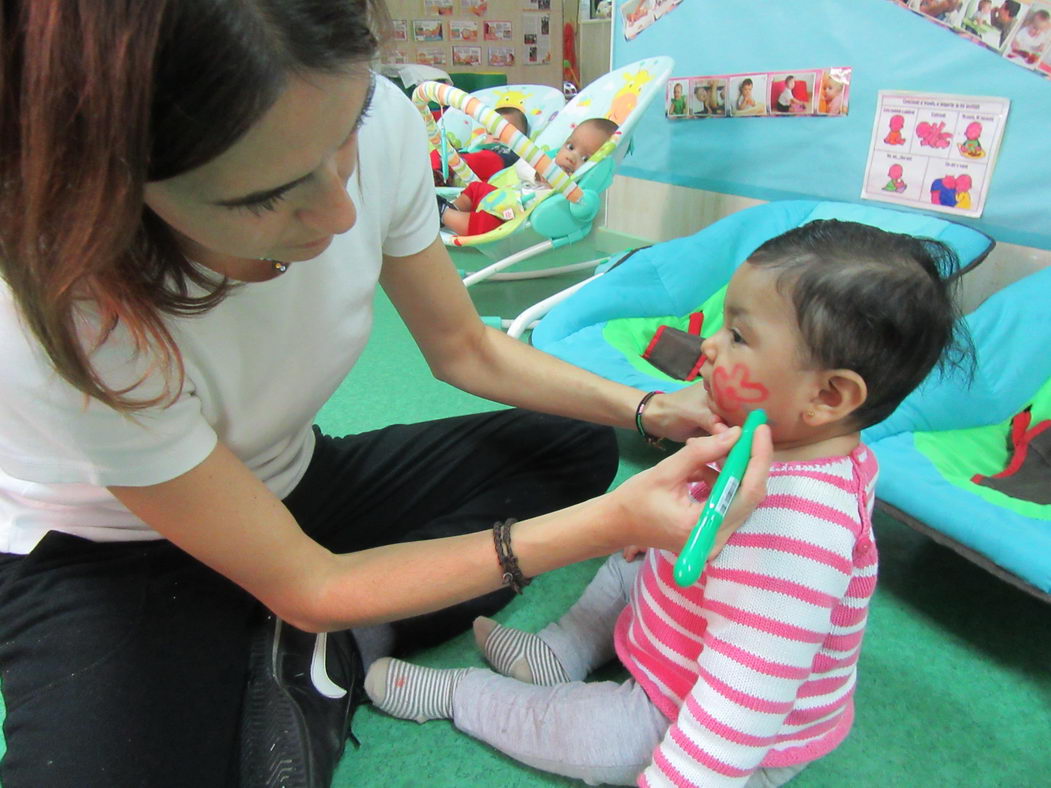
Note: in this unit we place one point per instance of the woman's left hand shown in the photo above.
(681, 415)
(654, 508)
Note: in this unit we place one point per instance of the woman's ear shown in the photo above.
(842, 392)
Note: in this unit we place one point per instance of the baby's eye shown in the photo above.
(735, 337)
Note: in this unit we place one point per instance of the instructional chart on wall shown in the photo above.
(934, 151)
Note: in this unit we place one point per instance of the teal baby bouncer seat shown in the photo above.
(565, 214)
(968, 462)
(539, 104)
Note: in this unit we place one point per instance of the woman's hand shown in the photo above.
(655, 508)
(681, 415)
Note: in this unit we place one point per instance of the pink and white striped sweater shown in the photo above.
(755, 664)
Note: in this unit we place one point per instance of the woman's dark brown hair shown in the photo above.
(99, 97)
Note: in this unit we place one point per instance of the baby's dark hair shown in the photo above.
(878, 303)
(603, 125)
(515, 117)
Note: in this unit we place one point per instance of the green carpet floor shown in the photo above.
(955, 677)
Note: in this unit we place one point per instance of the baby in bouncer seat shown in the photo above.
(465, 216)
(490, 156)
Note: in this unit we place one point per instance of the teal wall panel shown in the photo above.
(889, 48)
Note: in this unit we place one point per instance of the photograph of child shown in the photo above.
(707, 97)
(638, 15)
(832, 94)
(990, 22)
(1032, 37)
(1045, 62)
(661, 7)
(948, 12)
(699, 99)
(1005, 20)
(791, 93)
(676, 98)
(717, 97)
(747, 95)
(978, 18)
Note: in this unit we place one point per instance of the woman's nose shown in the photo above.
(333, 211)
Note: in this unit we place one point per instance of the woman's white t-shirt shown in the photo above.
(258, 367)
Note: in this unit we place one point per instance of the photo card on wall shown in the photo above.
(1017, 30)
(803, 93)
(792, 93)
(428, 30)
(467, 56)
(464, 29)
(502, 57)
(497, 30)
(438, 7)
(431, 56)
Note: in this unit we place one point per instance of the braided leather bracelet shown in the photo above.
(513, 576)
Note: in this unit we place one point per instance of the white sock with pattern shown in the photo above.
(412, 692)
(520, 655)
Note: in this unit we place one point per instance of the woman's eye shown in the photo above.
(269, 204)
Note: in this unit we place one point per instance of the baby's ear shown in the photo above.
(843, 391)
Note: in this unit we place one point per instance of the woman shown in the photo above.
(198, 200)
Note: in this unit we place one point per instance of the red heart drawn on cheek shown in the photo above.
(731, 389)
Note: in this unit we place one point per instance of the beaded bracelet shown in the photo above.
(513, 576)
(652, 440)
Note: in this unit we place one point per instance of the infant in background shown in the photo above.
(463, 216)
(490, 156)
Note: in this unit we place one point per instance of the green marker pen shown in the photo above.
(694, 554)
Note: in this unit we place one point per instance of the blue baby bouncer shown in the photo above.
(967, 462)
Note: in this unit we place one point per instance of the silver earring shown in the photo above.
(279, 266)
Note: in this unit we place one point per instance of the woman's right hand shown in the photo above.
(655, 509)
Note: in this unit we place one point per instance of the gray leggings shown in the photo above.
(598, 732)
